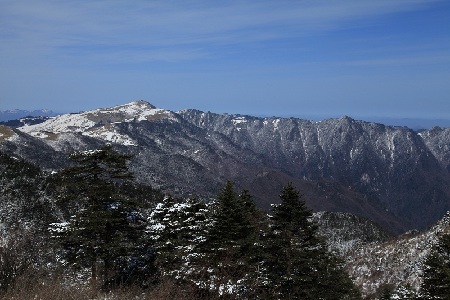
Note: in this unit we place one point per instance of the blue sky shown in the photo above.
(387, 58)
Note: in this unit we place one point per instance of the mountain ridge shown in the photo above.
(393, 175)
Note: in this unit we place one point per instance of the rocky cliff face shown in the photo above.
(392, 175)
(438, 141)
(396, 168)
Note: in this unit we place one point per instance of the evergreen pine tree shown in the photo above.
(436, 273)
(177, 227)
(231, 222)
(229, 251)
(106, 224)
(298, 264)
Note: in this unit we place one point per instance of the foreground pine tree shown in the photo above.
(436, 274)
(228, 256)
(298, 265)
(233, 221)
(178, 228)
(103, 233)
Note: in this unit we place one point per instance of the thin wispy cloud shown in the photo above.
(285, 55)
(88, 27)
(432, 58)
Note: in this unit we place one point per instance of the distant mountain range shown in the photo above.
(7, 115)
(395, 176)
(413, 123)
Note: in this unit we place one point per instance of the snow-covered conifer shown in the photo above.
(178, 227)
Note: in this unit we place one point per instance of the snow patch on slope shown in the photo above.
(99, 123)
(111, 135)
(134, 111)
(7, 133)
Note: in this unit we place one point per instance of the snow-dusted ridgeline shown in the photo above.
(99, 123)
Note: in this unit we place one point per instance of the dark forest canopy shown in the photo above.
(92, 221)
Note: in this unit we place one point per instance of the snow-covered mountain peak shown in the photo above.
(100, 123)
(133, 111)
